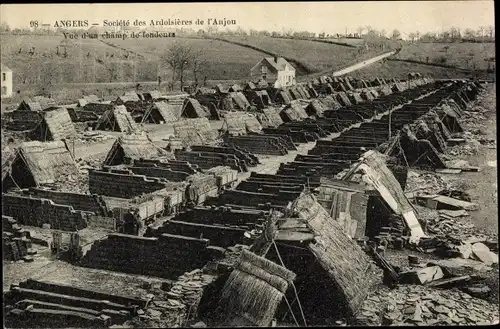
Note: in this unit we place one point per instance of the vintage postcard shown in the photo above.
(258, 164)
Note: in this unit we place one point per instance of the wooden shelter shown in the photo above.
(38, 163)
(128, 147)
(116, 119)
(55, 125)
(252, 293)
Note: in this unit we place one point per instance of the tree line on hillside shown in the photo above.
(454, 34)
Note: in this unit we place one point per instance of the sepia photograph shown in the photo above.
(249, 164)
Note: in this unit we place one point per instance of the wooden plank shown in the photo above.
(292, 235)
(448, 171)
(445, 201)
(291, 223)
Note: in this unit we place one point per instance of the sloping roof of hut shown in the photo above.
(132, 146)
(252, 292)
(240, 100)
(235, 88)
(164, 111)
(194, 131)
(48, 162)
(338, 254)
(316, 107)
(272, 116)
(220, 88)
(205, 91)
(193, 109)
(239, 123)
(28, 105)
(376, 172)
(129, 97)
(250, 86)
(117, 119)
(295, 112)
(56, 125)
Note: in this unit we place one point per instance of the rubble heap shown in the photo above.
(420, 305)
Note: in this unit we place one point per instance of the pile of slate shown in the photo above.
(470, 147)
(73, 183)
(425, 182)
(421, 305)
(165, 314)
(455, 224)
(188, 290)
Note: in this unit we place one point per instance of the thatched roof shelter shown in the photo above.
(376, 172)
(28, 105)
(331, 102)
(271, 118)
(293, 112)
(193, 109)
(340, 256)
(259, 97)
(221, 89)
(283, 97)
(252, 292)
(165, 112)
(239, 123)
(151, 95)
(235, 88)
(204, 91)
(117, 119)
(55, 125)
(316, 107)
(39, 163)
(132, 146)
(239, 100)
(128, 97)
(249, 86)
(195, 131)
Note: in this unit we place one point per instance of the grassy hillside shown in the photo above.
(224, 61)
(314, 56)
(463, 55)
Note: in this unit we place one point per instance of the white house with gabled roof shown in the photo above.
(6, 82)
(274, 70)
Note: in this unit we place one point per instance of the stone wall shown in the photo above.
(33, 211)
(122, 185)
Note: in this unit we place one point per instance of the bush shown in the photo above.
(441, 60)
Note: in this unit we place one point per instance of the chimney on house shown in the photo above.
(276, 58)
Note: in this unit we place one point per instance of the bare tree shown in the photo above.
(198, 63)
(480, 32)
(395, 34)
(412, 37)
(360, 30)
(491, 32)
(177, 58)
(4, 27)
(469, 34)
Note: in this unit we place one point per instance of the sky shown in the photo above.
(329, 17)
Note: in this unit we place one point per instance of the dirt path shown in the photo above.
(482, 185)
